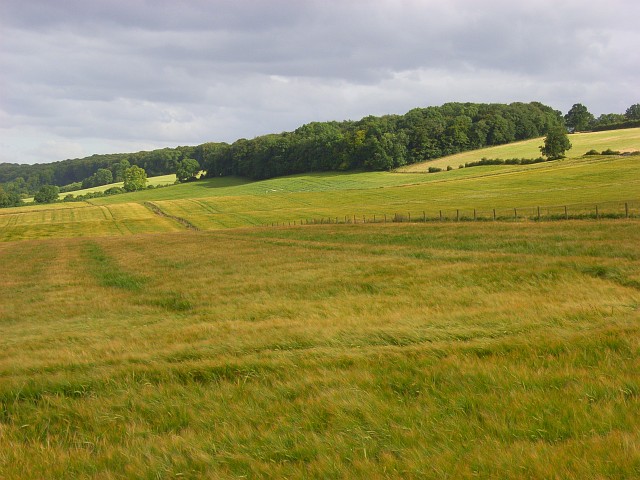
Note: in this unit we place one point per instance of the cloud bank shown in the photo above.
(80, 77)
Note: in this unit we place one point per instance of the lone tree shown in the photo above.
(135, 178)
(578, 118)
(46, 194)
(555, 143)
(187, 169)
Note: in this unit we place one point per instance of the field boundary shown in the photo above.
(158, 211)
(578, 211)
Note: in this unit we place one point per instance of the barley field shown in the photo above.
(502, 350)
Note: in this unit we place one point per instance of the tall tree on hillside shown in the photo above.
(556, 143)
(118, 170)
(103, 176)
(633, 112)
(187, 169)
(578, 118)
(135, 178)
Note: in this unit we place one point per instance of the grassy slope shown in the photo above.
(622, 140)
(383, 351)
(155, 181)
(233, 202)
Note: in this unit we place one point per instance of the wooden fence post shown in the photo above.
(538, 213)
(566, 213)
(494, 214)
(597, 213)
(474, 214)
(457, 215)
(440, 215)
(515, 213)
(626, 210)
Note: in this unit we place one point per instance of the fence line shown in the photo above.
(597, 211)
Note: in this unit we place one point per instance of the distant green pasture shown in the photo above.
(155, 181)
(595, 180)
(233, 202)
(621, 140)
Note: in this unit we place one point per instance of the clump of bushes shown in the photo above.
(508, 161)
(608, 151)
(71, 187)
(434, 169)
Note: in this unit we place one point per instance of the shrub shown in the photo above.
(592, 152)
(449, 168)
(608, 151)
(71, 187)
(114, 191)
(46, 194)
(434, 169)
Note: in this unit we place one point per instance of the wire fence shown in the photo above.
(596, 211)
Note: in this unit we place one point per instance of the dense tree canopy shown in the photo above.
(187, 169)
(379, 143)
(633, 112)
(578, 118)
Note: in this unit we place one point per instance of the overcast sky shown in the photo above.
(79, 77)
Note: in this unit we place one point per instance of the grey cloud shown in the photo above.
(166, 72)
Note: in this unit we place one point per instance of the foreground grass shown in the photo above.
(386, 351)
(626, 140)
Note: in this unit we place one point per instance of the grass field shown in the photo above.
(626, 140)
(133, 347)
(234, 202)
(161, 180)
(387, 351)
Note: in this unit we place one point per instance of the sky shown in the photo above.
(79, 77)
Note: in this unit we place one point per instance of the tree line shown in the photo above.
(579, 119)
(372, 143)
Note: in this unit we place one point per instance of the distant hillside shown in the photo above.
(627, 140)
(372, 143)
